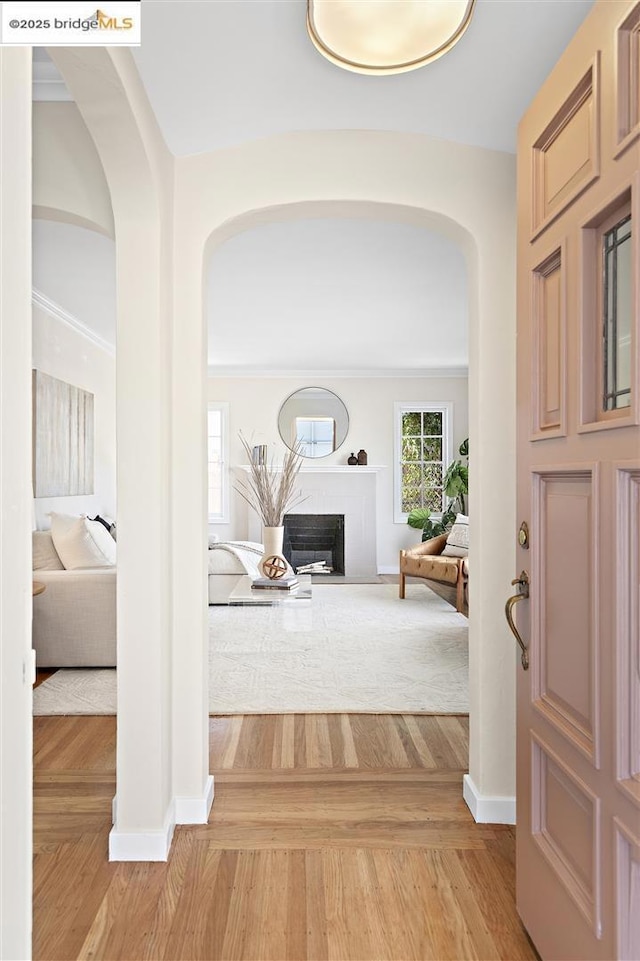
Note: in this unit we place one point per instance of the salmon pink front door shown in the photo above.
(578, 791)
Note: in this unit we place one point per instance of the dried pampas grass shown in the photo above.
(269, 490)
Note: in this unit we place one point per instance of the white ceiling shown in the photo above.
(222, 72)
(346, 294)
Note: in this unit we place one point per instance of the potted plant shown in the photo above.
(456, 488)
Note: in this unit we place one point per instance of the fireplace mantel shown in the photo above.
(338, 489)
(330, 469)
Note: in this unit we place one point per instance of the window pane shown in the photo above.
(433, 499)
(411, 448)
(217, 456)
(422, 448)
(617, 316)
(623, 304)
(411, 423)
(411, 475)
(433, 449)
(433, 423)
(433, 475)
(215, 449)
(215, 501)
(410, 499)
(215, 422)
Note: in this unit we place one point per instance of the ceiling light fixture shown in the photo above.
(386, 36)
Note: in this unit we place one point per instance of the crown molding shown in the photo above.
(55, 310)
(48, 84)
(256, 374)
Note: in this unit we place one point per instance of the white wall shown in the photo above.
(16, 722)
(64, 353)
(466, 193)
(253, 409)
(76, 269)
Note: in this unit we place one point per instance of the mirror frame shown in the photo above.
(338, 442)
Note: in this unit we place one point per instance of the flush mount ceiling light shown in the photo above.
(386, 36)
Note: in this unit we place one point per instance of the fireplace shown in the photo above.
(315, 539)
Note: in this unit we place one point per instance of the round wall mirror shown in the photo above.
(315, 419)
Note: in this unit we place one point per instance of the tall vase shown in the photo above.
(272, 539)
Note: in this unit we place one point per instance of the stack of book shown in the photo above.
(317, 567)
(277, 584)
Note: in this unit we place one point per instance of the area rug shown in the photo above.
(353, 648)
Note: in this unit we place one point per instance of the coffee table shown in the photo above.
(244, 594)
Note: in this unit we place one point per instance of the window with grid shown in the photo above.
(422, 445)
(217, 443)
(617, 312)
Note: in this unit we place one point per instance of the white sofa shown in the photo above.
(228, 561)
(74, 619)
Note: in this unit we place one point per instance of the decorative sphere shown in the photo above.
(274, 566)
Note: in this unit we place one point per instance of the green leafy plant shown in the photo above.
(456, 488)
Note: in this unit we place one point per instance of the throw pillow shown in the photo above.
(458, 540)
(82, 543)
(110, 525)
(102, 521)
(45, 556)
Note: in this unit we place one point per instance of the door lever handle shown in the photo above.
(523, 594)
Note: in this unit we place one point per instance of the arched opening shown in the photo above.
(313, 313)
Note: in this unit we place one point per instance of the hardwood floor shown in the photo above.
(331, 837)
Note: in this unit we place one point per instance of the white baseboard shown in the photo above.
(155, 845)
(487, 809)
(142, 845)
(386, 569)
(195, 810)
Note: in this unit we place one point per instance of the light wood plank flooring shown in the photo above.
(332, 837)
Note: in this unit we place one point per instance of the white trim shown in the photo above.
(195, 810)
(486, 809)
(143, 845)
(55, 310)
(388, 569)
(399, 407)
(419, 372)
(329, 469)
(224, 516)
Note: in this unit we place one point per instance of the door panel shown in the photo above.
(578, 769)
(564, 645)
(566, 155)
(549, 357)
(628, 687)
(566, 829)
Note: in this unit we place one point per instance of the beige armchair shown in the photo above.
(426, 560)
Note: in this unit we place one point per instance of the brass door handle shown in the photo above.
(523, 593)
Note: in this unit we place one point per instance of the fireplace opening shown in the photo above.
(314, 543)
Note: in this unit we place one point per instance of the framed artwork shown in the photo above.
(62, 438)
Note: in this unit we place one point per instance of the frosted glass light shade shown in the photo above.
(386, 36)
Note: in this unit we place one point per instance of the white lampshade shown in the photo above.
(386, 36)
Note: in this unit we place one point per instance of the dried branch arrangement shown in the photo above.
(269, 489)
